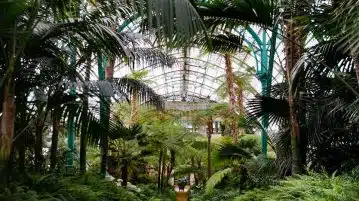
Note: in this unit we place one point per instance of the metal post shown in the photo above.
(263, 76)
(264, 72)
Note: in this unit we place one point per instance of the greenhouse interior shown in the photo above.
(179, 100)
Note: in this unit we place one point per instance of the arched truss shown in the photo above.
(198, 80)
(204, 73)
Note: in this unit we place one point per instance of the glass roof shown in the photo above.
(198, 76)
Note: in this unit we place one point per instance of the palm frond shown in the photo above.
(233, 14)
(215, 179)
(171, 20)
(276, 109)
(126, 86)
(225, 42)
(231, 151)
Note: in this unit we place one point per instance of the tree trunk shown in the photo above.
(7, 121)
(22, 152)
(159, 171)
(195, 175)
(39, 144)
(172, 164)
(209, 157)
(54, 140)
(209, 148)
(163, 171)
(134, 108)
(105, 119)
(199, 176)
(124, 173)
(84, 125)
(231, 94)
(173, 160)
(293, 53)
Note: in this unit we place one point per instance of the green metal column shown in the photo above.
(71, 120)
(264, 72)
(263, 76)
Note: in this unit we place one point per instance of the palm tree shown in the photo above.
(205, 117)
(267, 13)
(226, 44)
(125, 147)
(40, 33)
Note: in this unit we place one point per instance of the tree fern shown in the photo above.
(215, 179)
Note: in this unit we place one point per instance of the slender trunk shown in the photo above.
(124, 173)
(199, 176)
(195, 175)
(54, 140)
(231, 94)
(22, 152)
(84, 125)
(171, 166)
(209, 148)
(38, 144)
(134, 108)
(209, 157)
(105, 119)
(295, 140)
(293, 54)
(7, 121)
(159, 171)
(163, 171)
(172, 161)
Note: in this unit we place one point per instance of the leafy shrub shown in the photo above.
(316, 187)
(89, 187)
(149, 192)
(216, 195)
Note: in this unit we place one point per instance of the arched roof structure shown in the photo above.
(196, 77)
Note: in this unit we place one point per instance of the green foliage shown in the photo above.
(216, 195)
(89, 187)
(316, 187)
(149, 192)
(215, 179)
(262, 172)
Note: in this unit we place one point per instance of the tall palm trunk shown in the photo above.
(293, 53)
(231, 94)
(22, 152)
(134, 108)
(84, 126)
(106, 116)
(163, 171)
(172, 162)
(159, 171)
(54, 139)
(209, 147)
(39, 144)
(199, 176)
(7, 121)
(124, 173)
